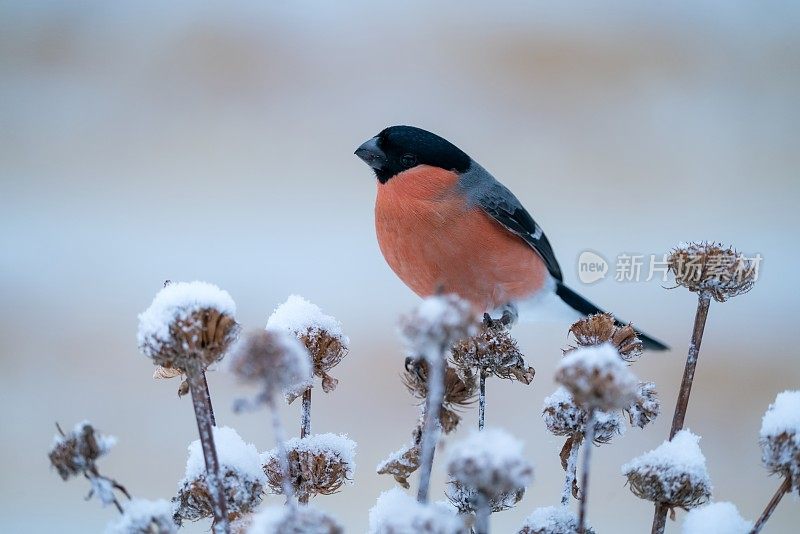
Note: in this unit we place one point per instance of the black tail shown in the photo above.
(584, 307)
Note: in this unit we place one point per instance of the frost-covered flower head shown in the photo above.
(188, 324)
(321, 334)
(495, 351)
(563, 417)
(243, 480)
(318, 465)
(780, 437)
(437, 323)
(396, 512)
(459, 390)
(491, 462)
(715, 518)
(673, 474)
(465, 498)
(74, 453)
(712, 269)
(597, 378)
(145, 517)
(603, 328)
(646, 407)
(552, 520)
(300, 520)
(273, 359)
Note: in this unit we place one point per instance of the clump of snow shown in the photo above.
(597, 378)
(233, 453)
(144, 517)
(298, 316)
(439, 321)
(490, 461)
(178, 301)
(782, 416)
(552, 520)
(716, 518)
(396, 512)
(335, 447)
(301, 520)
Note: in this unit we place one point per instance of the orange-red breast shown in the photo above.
(444, 223)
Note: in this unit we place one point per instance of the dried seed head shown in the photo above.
(273, 359)
(242, 479)
(491, 462)
(597, 378)
(321, 334)
(673, 474)
(607, 425)
(494, 350)
(552, 520)
(465, 498)
(437, 323)
(401, 464)
(780, 437)
(713, 270)
(318, 465)
(75, 453)
(564, 418)
(602, 328)
(459, 390)
(188, 325)
(300, 520)
(396, 512)
(646, 407)
(145, 517)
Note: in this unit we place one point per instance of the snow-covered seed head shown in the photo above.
(673, 474)
(188, 325)
(722, 517)
(602, 328)
(712, 270)
(495, 351)
(491, 462)
(321, 334)
(401, 464)
(318, 465)
(273, 359)
(74, 453)
(396, 512)
(437, 323)
(646, 407)
(459, 390)
(552, 520)
(465, 498)
(607, 425)
(780, 437)
(563, 417)
(243, 480)
(597, 378)
(145, 517)
(285, 520)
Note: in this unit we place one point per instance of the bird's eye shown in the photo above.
(409, 160)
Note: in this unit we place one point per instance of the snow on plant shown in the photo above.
(141, 516)
(715, 518)
(552, 520)
(490, 464)
(396, 512)
(241, 477)
(283, 520)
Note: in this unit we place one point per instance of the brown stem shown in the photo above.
(772, 504)
(482, 399)
(587, 451)
(430, 429)
(208, 400)
(205, 428)
(659, 519)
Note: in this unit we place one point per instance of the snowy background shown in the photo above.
(141, 141)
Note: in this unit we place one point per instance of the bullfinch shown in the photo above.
(445, 224)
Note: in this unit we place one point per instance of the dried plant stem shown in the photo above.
(771, 505)
(482, 399)
(482, 513)
(283, 457)
(703, 302)
(208, 400)
(587, 452)
(203, 414)
(93, 473)
(430, 429)
(305, 416)
(572, 468)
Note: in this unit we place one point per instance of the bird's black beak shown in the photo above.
(371, 154)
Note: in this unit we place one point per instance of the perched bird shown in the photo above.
(445, 224)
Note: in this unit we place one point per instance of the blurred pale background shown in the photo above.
(141, 141)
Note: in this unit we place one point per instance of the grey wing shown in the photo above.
(498, 202)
